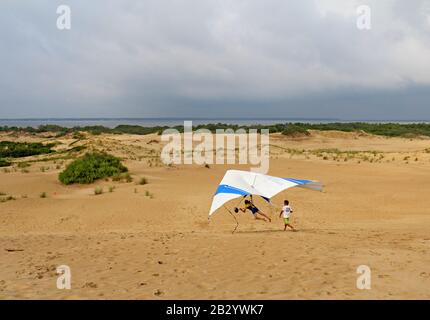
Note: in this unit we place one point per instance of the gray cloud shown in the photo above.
(215, 58)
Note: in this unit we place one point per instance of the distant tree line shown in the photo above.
(383, 129)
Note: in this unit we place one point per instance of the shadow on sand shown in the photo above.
(314, 231)
(263, 231)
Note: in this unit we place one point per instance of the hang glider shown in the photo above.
(237, 183)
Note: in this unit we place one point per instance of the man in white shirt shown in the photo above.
(286, 211)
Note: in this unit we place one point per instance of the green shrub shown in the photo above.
(43, 195)
(23, 149)
(91, 167)
(143, 181)
(98, 190)
(294, 130)
(4, 163)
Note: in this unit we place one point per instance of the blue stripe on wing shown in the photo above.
(223, 188)
(298, 181)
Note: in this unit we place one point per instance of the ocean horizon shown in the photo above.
(165, 121)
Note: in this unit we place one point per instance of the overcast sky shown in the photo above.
(223, 58)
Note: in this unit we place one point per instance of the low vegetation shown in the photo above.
(295, 130)
(77, 149)
(334, 154)
(119, 177)
(143, 181)
(98, 191)
(77, 131)
(6, 198)
(4, 163)
(91, 167)
(23, 165)
(149, 194)
(383, 129)
(10, 149)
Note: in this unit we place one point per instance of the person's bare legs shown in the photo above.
(289, 225)
(261, 213)
(258, 218)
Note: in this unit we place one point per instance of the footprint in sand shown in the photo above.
(3, 286)
(158, 292)
(90, 285)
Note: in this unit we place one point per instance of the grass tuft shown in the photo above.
(143, 181)
(98, 190)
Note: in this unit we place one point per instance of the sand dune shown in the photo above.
(125, 244)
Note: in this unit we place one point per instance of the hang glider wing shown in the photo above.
(238, 183)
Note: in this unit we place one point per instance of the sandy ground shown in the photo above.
(154, 241)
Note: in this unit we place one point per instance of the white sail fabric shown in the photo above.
(238, 183)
